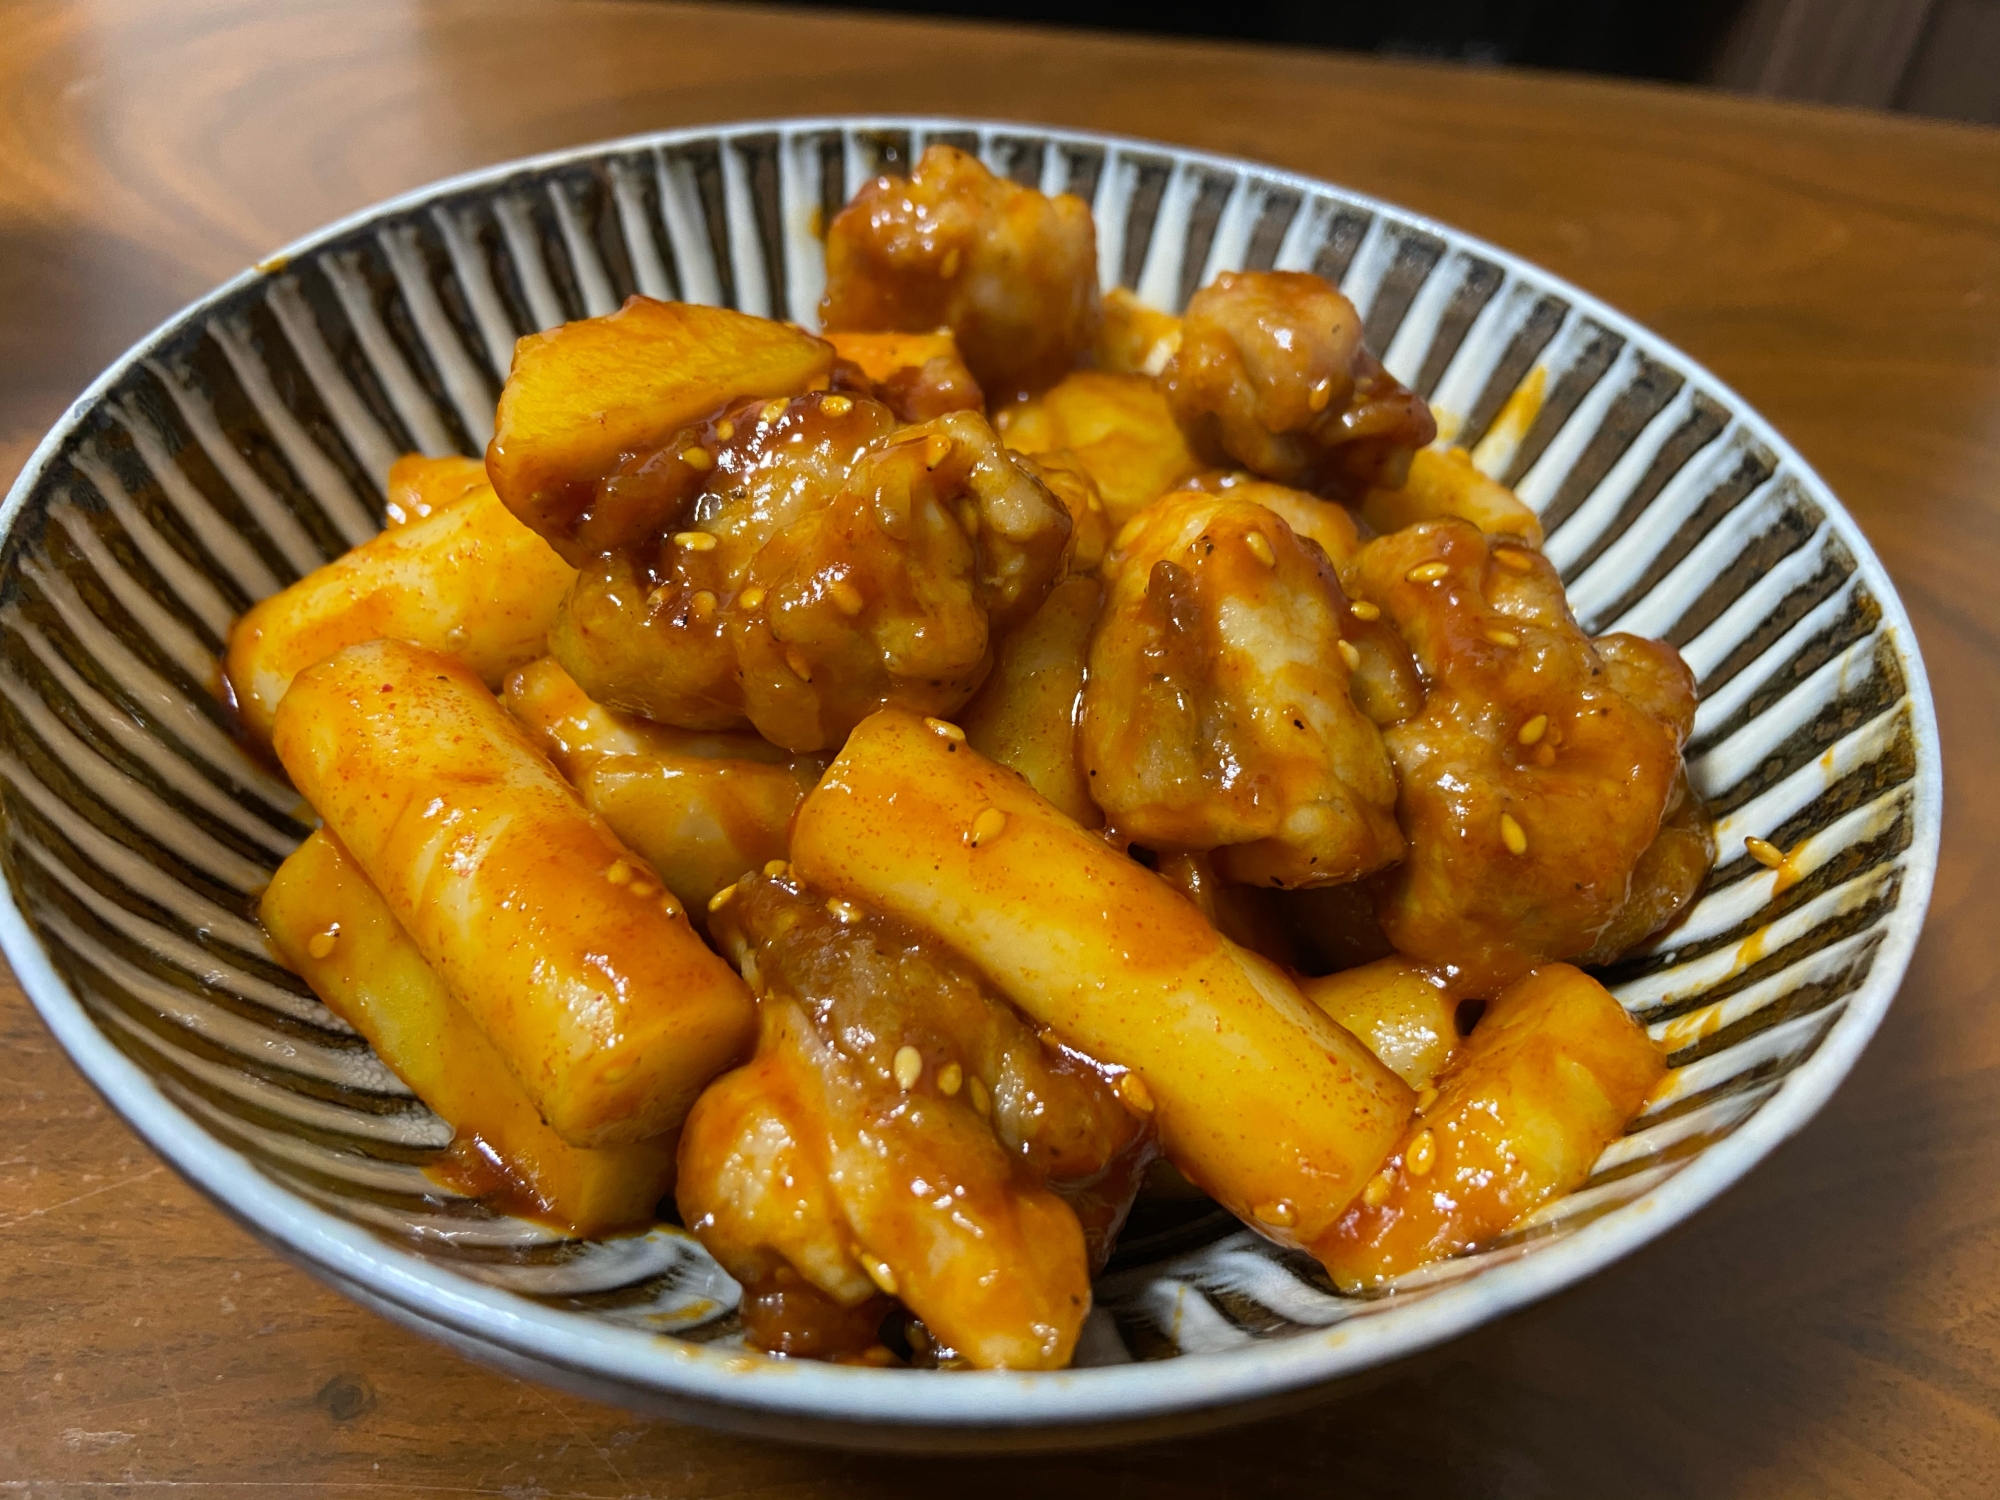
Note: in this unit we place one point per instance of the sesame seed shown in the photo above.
(948, 730)
(937, 448)
(847, 598)
(702, 602)
(620, 873)
(670, 904)
(948, 267)
(750, 598)
(908, 1067)
(1426, 1097)
(982, 1102)
(777, 869)
(837, 406)
(1512, 836)
(950, 1076)
(1361, 609)
(697, 457)
(1429, 572)
(1279, 1215)
(1503, 638)
(1534, 729)
(1320, 394)
(801, 669)
(772, 411)
(1422, 1154)
(842, 911)
(321, 943)
(1377, 1192)
(724, 430)
(1260, 548)
(643, 888)
(722, 898)
(879, 1273)
(1764, 852)
(1134, 1094)
(1349, 654)
(1545, 754)
(695, 541)
(1513, 557)
(987, 827)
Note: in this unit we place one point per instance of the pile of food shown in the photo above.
(898, 796)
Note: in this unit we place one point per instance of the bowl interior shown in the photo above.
(246, 442)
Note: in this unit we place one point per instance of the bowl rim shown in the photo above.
(993, 1400)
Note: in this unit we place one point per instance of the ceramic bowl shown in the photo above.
(245, 443)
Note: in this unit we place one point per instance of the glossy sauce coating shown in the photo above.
(830, 563)
(467, 578)
(337, 933)
(1258, 1097)
(582, 396)
(605, 1003)
(1217, 714)
(1536, 776)
(700, 808)
(1271, 374)
(1546, 1081)
(938, 1118)
(1404, 1013)
(916, 375)
(1011, 272)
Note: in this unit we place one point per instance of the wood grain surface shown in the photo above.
(1832, 1328)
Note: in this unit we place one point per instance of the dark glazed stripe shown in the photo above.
(1281, 206)
(1792, 529)
(1753, 467)
(1203, 217)
(1643, 399)
(1482, 280)
(1522, 351)
(1142, 209)
(1417, 256)
(1703, 425)
(1335, 253)
(1560, 404)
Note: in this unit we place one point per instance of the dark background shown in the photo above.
(1932, 57)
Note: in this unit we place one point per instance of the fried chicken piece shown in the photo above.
(1217, 714)
(903, 1129)
(831, 563)
(1011, 272)
(1669, 875)
(1540, 767)
(1271, 373)
(1118, 428)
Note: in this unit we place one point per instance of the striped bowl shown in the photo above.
(245, 443)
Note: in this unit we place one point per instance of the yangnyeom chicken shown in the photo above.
(1540, 767)
(1271, 374)
(1218, 715)
(1011, 272)
(1117, 428)
(927, 1125)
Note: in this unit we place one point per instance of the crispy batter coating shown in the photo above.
(832, 563)
(1271, 374)
(1117, 428)
(1011, 272)
(1217, 714)
(1540, 767)
(936, 1121)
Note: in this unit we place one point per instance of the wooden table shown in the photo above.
(1831, 1329)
